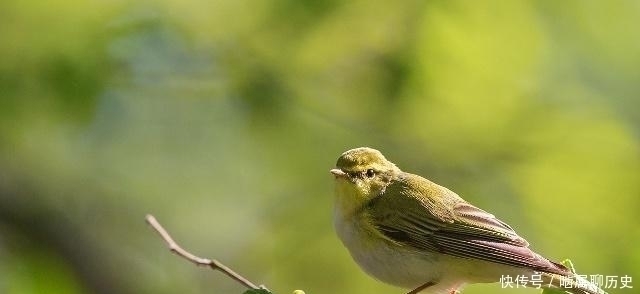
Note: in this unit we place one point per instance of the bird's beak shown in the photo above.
(338, 173)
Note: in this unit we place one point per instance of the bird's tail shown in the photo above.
(571, 283)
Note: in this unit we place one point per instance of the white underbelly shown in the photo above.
(409, 268)
(397, 266)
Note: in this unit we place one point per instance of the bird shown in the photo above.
(407, 231)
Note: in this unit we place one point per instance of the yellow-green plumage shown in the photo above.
(408, 231)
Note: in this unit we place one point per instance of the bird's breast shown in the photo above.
(382, 259)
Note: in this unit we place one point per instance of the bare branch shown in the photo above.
(212, 263)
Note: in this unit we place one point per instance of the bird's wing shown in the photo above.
(451, 226)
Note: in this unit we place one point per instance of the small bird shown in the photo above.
(407, 231)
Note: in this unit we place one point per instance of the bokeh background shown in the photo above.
(222, 118)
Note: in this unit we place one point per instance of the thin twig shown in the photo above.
(212, 263)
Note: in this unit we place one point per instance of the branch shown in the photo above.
(212, 263)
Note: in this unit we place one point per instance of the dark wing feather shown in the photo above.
(450, 226)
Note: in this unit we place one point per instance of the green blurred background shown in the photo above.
(222, 118)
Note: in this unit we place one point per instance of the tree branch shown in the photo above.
(212, 263)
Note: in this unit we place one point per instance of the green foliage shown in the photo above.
(553, 291)
(223, 118)
(569, 265)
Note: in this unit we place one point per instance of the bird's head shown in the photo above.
(361, 174)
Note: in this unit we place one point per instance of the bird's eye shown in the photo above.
(370, 173)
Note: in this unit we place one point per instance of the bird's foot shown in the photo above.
(422, 287)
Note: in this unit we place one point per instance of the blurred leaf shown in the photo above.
(553, 291)
(224, 117)
(567, 262)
